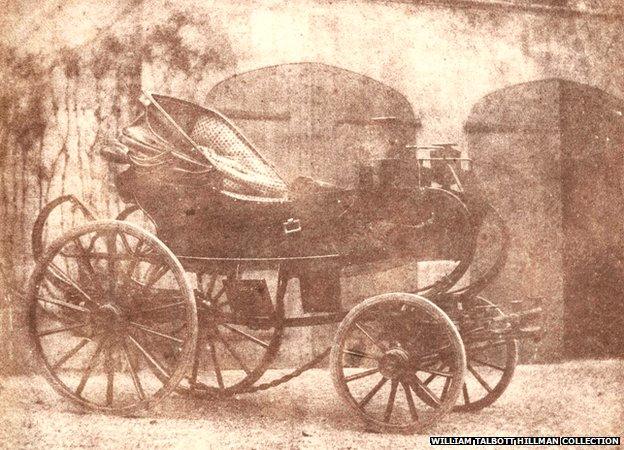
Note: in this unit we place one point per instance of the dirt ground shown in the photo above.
(575, 398)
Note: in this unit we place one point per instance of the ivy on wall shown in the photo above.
(58, 107)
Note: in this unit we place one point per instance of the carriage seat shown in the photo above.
(246, 173)
(249, 177)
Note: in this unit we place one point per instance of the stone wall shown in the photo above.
(71, 72)
(69, 76)
(445, 60)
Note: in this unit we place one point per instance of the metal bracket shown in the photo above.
(292, 226)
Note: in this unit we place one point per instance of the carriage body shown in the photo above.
(220, 210)
(185, 194)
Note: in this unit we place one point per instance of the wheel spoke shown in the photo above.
(445, 389)
(152, 362)
(132, 264)
(370, 338)
(218, 295)
(92, 241)
(234, 353)
(224, 303)
(110, 375)
(133, 372)
(423, 391)
(194, 370)
(66, 278)
(357, 376)
(154, 276)
(62, 329)
(410, 400)
(86, 373)
(432, 357)
(246, 335)
(70, 354)
(479, 378)
(64, 304)
(85, 262)
(57, 317)
(161, 307)
(487, 364)
(359, 354)
(211, 285)
(156, 333)
(390, 404)
(435, 373)
(112, 266)
(465, 392)
(372, 393)
(429, 379)
(215, 363)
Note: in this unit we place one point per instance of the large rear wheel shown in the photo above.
(112, 317)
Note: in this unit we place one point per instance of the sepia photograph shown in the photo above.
(311, 224)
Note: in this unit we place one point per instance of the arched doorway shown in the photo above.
(320, 121)
(551, 155)
(316, 120)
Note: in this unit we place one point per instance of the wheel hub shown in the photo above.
(110, 319)
(393, 363)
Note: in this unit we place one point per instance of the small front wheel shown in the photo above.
(398, 362)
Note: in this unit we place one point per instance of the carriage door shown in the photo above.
(550, 155)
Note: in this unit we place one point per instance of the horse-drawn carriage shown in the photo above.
(121, 316)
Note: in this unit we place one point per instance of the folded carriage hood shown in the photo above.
(139, 134)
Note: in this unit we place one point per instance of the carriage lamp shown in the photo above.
(439, 164)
